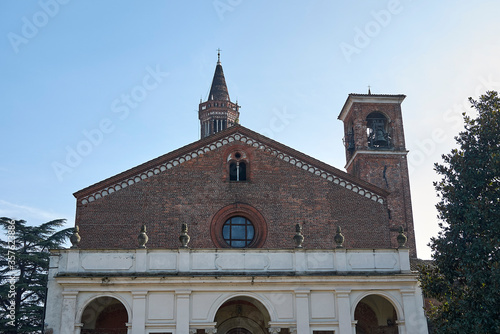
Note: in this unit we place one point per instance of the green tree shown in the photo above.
(465, 275)
(24, 264)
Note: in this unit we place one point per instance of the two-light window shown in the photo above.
(237, 167)
(238, 171)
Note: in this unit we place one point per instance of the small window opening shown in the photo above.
(237, 171)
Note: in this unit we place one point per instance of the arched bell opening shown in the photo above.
(242, 315)
(377, 130)
(349, 140)
(375, 315)
(104, 315)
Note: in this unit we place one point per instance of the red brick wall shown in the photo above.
(357, 119)
(370, 167)
(196, 190)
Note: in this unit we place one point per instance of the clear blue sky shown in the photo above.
(66, 65)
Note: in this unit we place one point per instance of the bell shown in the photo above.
(379, 139)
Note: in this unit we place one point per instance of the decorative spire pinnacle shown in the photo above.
(369, 91)
(218, 56)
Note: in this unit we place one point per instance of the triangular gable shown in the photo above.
(234, 134)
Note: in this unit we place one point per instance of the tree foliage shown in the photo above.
(465, 276)
(24, 264)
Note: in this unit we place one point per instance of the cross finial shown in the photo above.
(218, 56)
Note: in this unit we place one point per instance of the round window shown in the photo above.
(238, 232)
(238, 225)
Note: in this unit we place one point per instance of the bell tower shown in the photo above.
(375, 152)
(218, 112)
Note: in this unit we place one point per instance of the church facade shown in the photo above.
(238, 233)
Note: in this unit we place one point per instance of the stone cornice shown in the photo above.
(374, 152)
(368, 98)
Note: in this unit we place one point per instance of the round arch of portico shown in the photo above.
(390, 298)
(228, 296)
(80, 311)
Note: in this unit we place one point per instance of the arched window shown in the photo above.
(376, 130)
(237, 167)
(349, 138)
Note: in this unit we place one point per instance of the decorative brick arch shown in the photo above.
(243, 210)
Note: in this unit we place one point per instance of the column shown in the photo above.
(138, 312)
(68, 312)
(302, 307)
(344, 311)
(182, 311)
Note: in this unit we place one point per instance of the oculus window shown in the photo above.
(238, 232)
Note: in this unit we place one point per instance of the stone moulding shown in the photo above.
(228, 261)
(244, 139)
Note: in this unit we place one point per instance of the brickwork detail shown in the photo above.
(386, 167)
(222, 142)
(195, 190)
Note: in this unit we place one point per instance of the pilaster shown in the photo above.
(346, 325)
(139, 312)
(68, 312)
(302, 311)
(414, 320)
(182, 311)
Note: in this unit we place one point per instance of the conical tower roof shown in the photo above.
(218, 91)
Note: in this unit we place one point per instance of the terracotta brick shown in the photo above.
(386, 168)
(196, 190)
